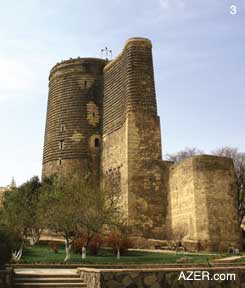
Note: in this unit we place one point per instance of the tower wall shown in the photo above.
(115, 129)
(131, 148)
(74, 117)
(102, 121)
(203, 197)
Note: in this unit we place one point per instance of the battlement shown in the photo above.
(84, 65)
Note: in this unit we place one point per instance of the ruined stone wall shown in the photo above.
(202, 196)
(73, 124)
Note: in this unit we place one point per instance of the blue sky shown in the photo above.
(199, 63)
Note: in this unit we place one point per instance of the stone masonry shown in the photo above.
(102, 121)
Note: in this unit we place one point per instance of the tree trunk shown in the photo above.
(16, 255)
(35, 236)
(68, 246)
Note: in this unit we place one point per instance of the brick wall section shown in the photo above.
(216, 202)
(140, 87)
(115, 162)
(181, 201)
(114, 106)
(145, 177)
(131, 136)
(202, 195)
(145, 181)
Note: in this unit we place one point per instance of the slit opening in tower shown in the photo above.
(61, 144)
(62, 127)
(96, 142)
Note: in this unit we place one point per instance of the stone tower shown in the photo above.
(74, 117)
(102, 121)
(131, 135)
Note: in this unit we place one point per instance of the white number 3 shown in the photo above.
(233, 9)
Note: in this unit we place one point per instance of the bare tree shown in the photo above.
(183, 154)
(179, 233)
(239, 164)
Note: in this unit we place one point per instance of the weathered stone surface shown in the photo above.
(202, 188)
(102, 121)
(127, 281)
(162, 277)
(149, 280)
(73, 117)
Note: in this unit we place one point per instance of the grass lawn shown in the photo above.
(41, 254)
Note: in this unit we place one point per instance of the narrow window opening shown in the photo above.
(96, 142)
(59, 161)
(93, 114)
(61, 144)
(62, 127)
(85, 84)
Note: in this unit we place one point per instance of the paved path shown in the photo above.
(173, 252)
(228, 259)
(42, 271)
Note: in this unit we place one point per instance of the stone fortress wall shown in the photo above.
(102, 120)
(202, 196)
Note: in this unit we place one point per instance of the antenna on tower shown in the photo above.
(106, 53)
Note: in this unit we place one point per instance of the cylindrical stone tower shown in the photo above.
(73, 124)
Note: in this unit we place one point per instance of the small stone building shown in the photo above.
(102, 120)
